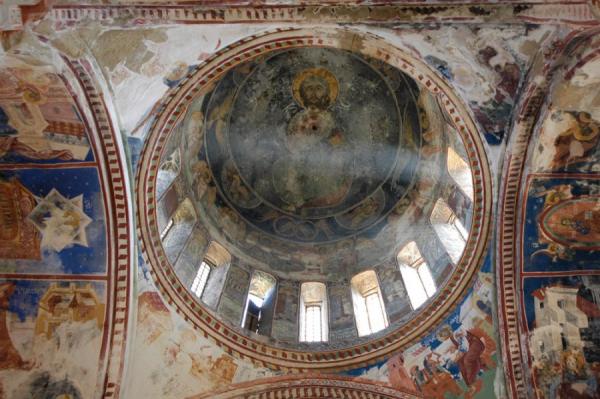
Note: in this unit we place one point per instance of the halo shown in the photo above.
(321, 73)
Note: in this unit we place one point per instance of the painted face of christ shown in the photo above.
(315, 92)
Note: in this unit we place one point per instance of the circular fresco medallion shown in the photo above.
(313, 144)
(574, 222)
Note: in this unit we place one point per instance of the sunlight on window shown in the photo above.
(312, 328)
(426, 279)
(416, 275)
(461, 173)
(449, 229)
(167, 173)
(261, 292)
(377, 320)
(313, 312)
(200, 280)
(165, 231)
(369, 310)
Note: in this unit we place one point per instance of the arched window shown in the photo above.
(313, 313)
(174, 234)
(369, 310)
(201, 278)
(460, 171)
(168, 171)
(260, 293)
(449, 229)
(216, 256)
(416, 275)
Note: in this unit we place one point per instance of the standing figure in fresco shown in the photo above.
(9, 356)
(313, 172)
(397, 374)
(576, 143)
(469, 362)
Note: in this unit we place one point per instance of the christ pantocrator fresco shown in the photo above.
(312, 144)
(313, 171)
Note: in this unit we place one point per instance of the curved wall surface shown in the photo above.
(83, 88)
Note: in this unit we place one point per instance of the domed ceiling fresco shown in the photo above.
(311, 149)
(314, 164)
(313, 134)
(147, 150)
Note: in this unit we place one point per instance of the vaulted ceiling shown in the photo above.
(299, 143)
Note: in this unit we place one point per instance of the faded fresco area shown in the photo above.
(560, 235)
(172, 359)
(52, 230)
(562, 316)
(39, 121)
(51, 335)
(570, 130)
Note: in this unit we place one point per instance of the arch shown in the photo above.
(309, 386)
(542, 125)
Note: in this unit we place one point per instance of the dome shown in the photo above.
(313, 161)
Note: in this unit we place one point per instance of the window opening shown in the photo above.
(369, 310)
(460, 172)
(166, 230)
(313, 326)
(416, 275)
(167, 172)
(200, 280)
(375, 312)
(313, 312)
(449, 229)
(261, 292)
(211, 273)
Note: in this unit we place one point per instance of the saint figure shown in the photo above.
(314, 171)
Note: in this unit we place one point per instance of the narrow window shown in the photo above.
(167, 172)
(165, 231)
(201, 279)
(377, 317)
(369, 310)
(449, 229)
(314, 330)
(261, 293)
(460, 171)
(416, 275)
(313, 313)
(211, 275)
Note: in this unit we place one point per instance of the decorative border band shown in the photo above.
(119, 229)
(576, 13)
(310, 386)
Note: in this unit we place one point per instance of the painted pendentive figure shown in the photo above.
(578, 142)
